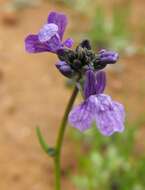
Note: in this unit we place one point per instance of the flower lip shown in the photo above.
(47, 32)
(32, 44)
(108, 114)
(111, 116)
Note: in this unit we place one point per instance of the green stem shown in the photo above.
(57, 159)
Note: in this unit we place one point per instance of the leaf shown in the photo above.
(49, 150)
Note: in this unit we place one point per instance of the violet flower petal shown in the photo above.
(120, 110)
(110, 115)
(90, 84)
(60, 20)
(33, 45)
(47, 32)
(82, 116)
(101, 82)
(54, 44)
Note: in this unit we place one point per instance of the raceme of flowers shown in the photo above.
(81, 64)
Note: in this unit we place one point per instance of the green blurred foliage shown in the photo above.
(110, 163)
(111, 32)
(108, 31)
(67, 2)
(78, 4)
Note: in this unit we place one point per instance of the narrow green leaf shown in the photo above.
(41, 140)
(49, 150)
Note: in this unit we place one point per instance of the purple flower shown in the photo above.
(109, 115)
(49, 38)
(108, 57)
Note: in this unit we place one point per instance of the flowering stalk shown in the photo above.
(83, 66)
(57, 158)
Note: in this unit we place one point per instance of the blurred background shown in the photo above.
(33, 93)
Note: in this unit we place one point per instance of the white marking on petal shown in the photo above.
(47, 32)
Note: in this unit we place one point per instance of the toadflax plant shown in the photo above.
(84, 67)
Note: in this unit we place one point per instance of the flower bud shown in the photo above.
(65, 69)
(86, 44)
(108, 57)
(66, 55)
(76, 64)
(69, 43)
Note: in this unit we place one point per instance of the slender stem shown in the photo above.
(57, 159)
